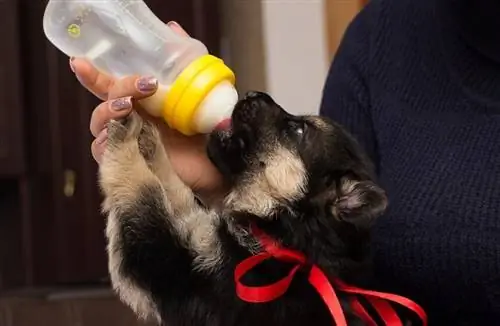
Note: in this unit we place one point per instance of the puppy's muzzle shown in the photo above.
(253, 109)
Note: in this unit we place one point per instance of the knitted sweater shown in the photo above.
(418, 83)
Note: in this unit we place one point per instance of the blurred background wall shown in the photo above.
(281, 47)
(53, 268)
(285, 46)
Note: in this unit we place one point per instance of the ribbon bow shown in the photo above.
(378, 300)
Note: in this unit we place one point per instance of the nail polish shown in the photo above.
(147, 84)
(121, 104)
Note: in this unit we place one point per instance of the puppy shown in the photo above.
(303, 180)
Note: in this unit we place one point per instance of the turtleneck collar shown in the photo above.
(470, 37)
(479, 24)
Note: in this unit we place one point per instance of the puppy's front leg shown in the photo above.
(152, 148)
(149, 251)
(197, 224)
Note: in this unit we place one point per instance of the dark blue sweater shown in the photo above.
(418, 83)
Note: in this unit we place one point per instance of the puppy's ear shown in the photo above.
(358, 202)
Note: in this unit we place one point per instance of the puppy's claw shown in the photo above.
(149, 141)
(124, 130)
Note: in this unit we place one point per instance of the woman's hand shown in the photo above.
(188, 154)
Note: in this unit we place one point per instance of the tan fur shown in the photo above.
(202, 228)
(123, 172)
(281, 178)
(153, 150)
(319, 123)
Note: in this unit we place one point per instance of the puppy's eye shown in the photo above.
(241, 143)
(298, 128)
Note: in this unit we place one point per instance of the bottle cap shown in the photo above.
(192, 88)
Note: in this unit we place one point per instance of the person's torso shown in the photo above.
(438, 144)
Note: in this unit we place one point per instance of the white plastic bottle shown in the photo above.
(123, 37)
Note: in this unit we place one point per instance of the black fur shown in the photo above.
(329, 221)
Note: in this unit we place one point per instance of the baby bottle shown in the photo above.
(123, 37)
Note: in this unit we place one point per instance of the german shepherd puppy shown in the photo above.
(303, 180)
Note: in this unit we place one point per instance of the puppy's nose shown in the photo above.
(252, 95)
(260, 97)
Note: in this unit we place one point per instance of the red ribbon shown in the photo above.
(260, 294)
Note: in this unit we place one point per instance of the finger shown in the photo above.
(134, 86)
(93, 80)
(177, 28)
(106, 111)
(98, 150)
(99, 145)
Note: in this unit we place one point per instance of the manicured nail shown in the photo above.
(147, 84)
(121, 104)
(103, 135)
(71, 64)
(173, 24)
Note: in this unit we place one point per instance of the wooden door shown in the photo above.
(61, 195)
(338, 15)
(11, 127)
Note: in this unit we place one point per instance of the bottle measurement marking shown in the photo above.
(74, 29)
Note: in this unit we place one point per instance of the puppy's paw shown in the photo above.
(150, 143)
(123, 171)
(124, 131)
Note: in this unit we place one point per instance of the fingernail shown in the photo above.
(173, 24)
(71, 64)
(103, 135)
(121, 104)
(147, 84)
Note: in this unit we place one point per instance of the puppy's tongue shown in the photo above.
(224, 125)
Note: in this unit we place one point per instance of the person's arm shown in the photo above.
(346, 97)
